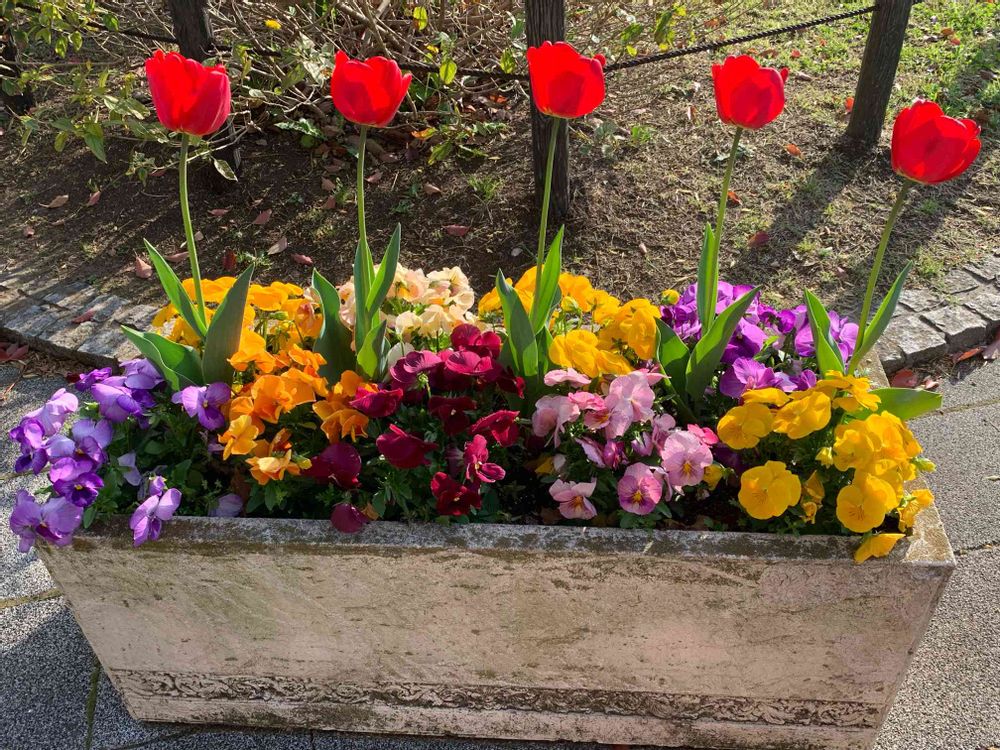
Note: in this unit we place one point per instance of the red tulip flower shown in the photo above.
(930, 147)
(746, 94)
(368, 92)
(564, 83)
(189, 97)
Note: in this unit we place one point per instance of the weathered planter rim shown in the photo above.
(927, 546)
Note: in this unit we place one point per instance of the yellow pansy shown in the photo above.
(634, 325)
(852, 448)
(744, 426)
(605, 306)
(669, 296)
(814, 486)
(273, 24)
(807, 412)
(577, 292)
(252, 351)
(490, 302)
(770, 396)
(825, 456)
(877, 545)
(862, 505)
(239, 438)
(713, 475)
(576, 349)
(768, 491)
(858, 393)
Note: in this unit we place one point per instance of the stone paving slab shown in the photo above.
(951, 697)
(963, 444)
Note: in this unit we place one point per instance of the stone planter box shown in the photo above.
(673, 638)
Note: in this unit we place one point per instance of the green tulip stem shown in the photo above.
(362, 232)
(546, 195)
(188, 228)
(866, 308)
(724, 199)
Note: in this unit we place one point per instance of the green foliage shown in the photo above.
(907, 403)
(827, 352)
(222, 340)
(334, 341)
(880, 321)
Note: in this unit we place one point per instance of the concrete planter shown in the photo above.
(674, 638)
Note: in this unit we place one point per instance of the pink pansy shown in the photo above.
(684, 459)
(595, 411)
(642, 444)
(639, 490)
(477, 465)
(551, 414)
(704, 434)
(571, 376)
(607, 456)
(573, 498)
(663, 425)
(630, 399)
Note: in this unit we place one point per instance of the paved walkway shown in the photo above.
(949, 701)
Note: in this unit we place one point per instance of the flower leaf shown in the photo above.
(707, 353)
(175, 291)
(907, 403)
(873, 331)
(827, 352)
(178, 364)
(708, 278)
(222, 339)
(334, 341)
(547, 296)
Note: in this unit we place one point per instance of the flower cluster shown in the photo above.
(842, 447)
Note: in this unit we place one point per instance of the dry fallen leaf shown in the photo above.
(217, 212)
(176, 257)
(430, 189)
(734, 199)
(305, 260)
(94, 197)
(262, 218)
(849, 104)
(13, 352)
(905, 379)
(229, 261)
(374, 178)
(969, 354)
(793, 149)
(198, 236)
(759, 239)
(28, 231)
(330, 203)
(57, 202)
(278, 246)
(328, 185)
(930, 384)
(83, 317)
(142, 269)
(456, 230)
(690, 113)
(796, 54)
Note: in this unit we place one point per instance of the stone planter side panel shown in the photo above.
(668, 638)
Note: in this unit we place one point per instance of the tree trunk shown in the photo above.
(545, 20)
(193, 32)
(878, 71)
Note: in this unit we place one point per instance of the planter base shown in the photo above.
(669, 638)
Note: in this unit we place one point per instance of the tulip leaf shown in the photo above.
(707, 353)
(672, 354)
(175, 291)
(373, 351)
(364, 272)
(907, 403)
(547, 294)
(385, 277)
(828, 354)
(521, 346)
(334, 340)
(178, 364)
(873, 332)
(708, 278)
(222, 340)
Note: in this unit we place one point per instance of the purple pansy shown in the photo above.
(55, 521)
(53, 412)
(227, 506)
(141, 374)
(115, 401)
(130, 473)
(75, 481)
(203, 402)
(88, 380)
(747, 374)
(147, 520)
